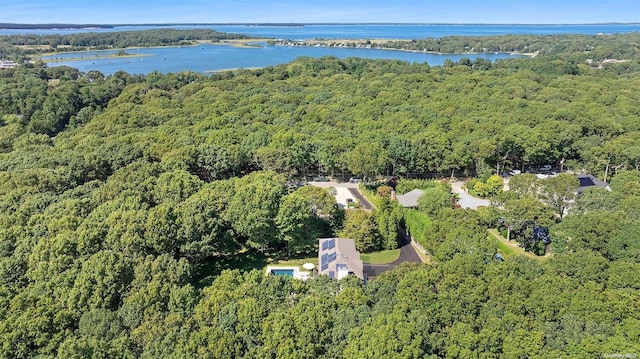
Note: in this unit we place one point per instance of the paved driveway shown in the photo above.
(466, 200)
(407, 254)
(344, 191)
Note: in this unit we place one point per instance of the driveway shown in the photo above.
(466, 200)
(407, 254)
(345, 191)
(364, 204)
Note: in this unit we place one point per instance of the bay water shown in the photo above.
(203, 58)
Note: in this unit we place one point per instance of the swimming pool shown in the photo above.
(282, 272)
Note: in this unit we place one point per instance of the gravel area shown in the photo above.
(466, 200)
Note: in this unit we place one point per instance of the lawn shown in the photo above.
(249, 259)
(508, 249)
(382, 257)
(294, 262)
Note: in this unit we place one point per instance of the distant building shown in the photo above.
(7, 64)
(338, 258)
(589, 181)
(410, 200)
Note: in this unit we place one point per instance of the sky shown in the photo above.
(320, 11)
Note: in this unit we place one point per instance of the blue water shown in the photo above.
(220, 57)
(203, 58)
(282, 272)
(370, 31)
(407, 32)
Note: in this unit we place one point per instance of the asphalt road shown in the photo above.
(407, 255)
(363, 201)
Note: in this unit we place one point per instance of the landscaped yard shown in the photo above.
(382, 257)
(507, 249)
(295, 262)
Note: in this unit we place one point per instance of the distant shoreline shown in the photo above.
(247, 43)
(379, 45)
(98, 57)
(17, 26)
(9, 26)
(234, 42)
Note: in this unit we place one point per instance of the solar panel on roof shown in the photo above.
(332, 257)
(586, 181)
(324, 267)
(325, 244)
(331, 243)
(323, 259)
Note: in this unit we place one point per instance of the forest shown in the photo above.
(136, 212)
(26, 45)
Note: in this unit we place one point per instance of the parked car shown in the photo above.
(321, 179)
(354, 180)
(515, 172)
(546, 168)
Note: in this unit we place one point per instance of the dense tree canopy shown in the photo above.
(123, 197)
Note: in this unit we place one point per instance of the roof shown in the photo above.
(409, 200)
(340, 251)
(589, 181)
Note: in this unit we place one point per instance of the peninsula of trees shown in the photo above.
(25, 45)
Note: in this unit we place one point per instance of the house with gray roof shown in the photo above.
(589, 181)
(410, 199)
(338, 258)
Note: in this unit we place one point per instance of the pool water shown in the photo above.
(283, 272)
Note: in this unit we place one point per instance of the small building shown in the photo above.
(410, 199)
(338, 258)
(7, 64)
(589, 181)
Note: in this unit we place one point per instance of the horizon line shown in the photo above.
(253, 23)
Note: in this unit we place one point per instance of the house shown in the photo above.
(7, 64)
(338, 258)
(410, 200)
(589, 181)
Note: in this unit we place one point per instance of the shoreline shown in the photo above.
(234, 69)
(233, 42)
(248, 43)
(111, 56)
(368, 44)
(373, 44)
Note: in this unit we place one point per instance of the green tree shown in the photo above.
(367, 160)
(360, 227)
(161, 229)
(202, 232)
(525, 184)
(254, 206)
(306, 215)
(494, 185)
(523, 215)
(294, 221)
(559, 191)
(102, 282)
(434, 200)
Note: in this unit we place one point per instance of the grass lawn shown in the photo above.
(508, 249)
(249, 259)
(294, 262)
(382, 257)
(244, 260)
